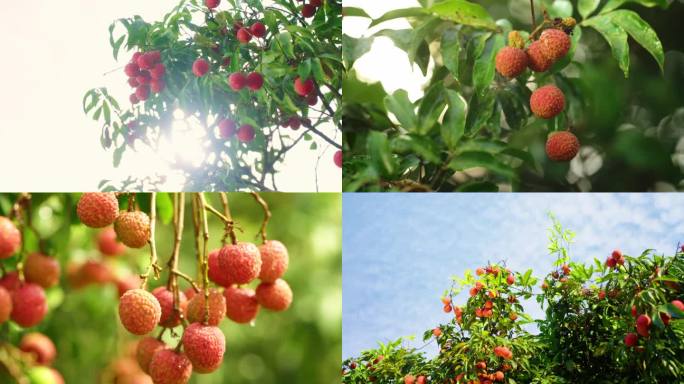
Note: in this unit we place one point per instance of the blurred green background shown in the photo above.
(299, 345)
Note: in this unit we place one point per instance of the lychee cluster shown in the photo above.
(239, 81)
(309, 9)
(101, 209)
(24, 302)
(10, 238)
(41, 354)
(146, 74)
(616, 258)
(228, 129)
(244, 34)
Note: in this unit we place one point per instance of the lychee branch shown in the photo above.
(267, 215)
(204, 264)
(153, 247)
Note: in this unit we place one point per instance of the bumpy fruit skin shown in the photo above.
(28, 305)
(255, 81)
(5, 305)
(169, 367)
(40, 346)
(547, 102)
(242, 305)
(169, 318)
(204, 345)
(562, 146)
(555, 43)
(246, 133)
(244, 35)
(200, 67)
(98, 209)
(145, 350)
(536, 59)
(195, 311)
(10, 238)
(276, 296)
(139, 311)
(108, 244)
(133, 228)
(274, 260)
(215, 273)
(303, 88)
(337, 158)
(241, 262)
(237, 81)
(42, 270)
(511, 62)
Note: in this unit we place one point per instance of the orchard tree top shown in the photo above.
(251, 79)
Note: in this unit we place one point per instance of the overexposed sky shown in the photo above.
(54, 53)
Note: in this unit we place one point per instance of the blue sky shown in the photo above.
(401, 249)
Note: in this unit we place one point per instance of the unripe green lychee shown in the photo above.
(241, 262)
(196, 310)
(274, 260)
(97, 209)
(547, 102)
(40, 346)
(215, 272)
(276, 296)
(511, 62)
(242, 305)
(555, 44)
(169, 367)
(10, 238)
(42, 270)
(44, 375)
(562, 146)
(108, 243)
(169, 318)
(28, 305)
(5, 305)
(536, 59)
(204, 345)
(145, 350)
(139, 311)
(133, 228)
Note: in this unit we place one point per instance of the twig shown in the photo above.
(533, 16)
(153, 247)
(267, 215)
(204, 262)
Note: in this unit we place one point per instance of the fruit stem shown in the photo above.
(226, 211)
(229, 223)
(267, 215)
(153, 247)
(178, 218)
(204, 265)
(533, 16)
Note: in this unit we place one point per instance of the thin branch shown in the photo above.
(153, 247)
(533, 16)
(267, 214)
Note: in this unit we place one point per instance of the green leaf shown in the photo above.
(398, 14)
(614, 4)
(480, 110)
(380, 155)
(399, 104)
(481, 159)
(464, 12)
(478, 186)
(451, 50)
(586, 7)
(284, 42)
(353, 49)
(484, 67)
(420, 145)
(118, 154)
(354, 12)
(431, 107)
(453, 126)
(616, 37)
(164, 207)
(641, 32)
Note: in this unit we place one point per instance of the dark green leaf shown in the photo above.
(399, 13)
(453, 126)
(481, 159)
(380, 155)
(464, 12)
(399, 104)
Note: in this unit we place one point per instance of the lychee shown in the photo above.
(303, 87)
(139, 311)
(643, 321)
(132, 70)
(145, 350)
(211, 4)
(258, 29)
(40, 346)
(409, 379)
(215, 272)
(108, 244)
(308, 10)
(241, 304)
(28, 305)
(510, 279)
(227, 128)
(555, 43)
(437, 332)
(144, 78)
(274, 260)
(10, 281)
(246, 133)
(562, 146)
(158, 71)
(133, 228)
(276, 296)
(42, 270)
(10, 238)
(133, 82)
(94, 272)
(97, 209)
(127, 283)
(142, 92)
(146, 60)
(169, 318)
(678, 304)
(157, 86)
(244, 35)
(237, 81)
(196, 309)
(511, 62)
(337, 159)
(134, 98)
(547, 102)
(5, 305)
(241, 262)
(170, 367)
(200, 67)
(204, 345)
(536, 59)
(255, 81)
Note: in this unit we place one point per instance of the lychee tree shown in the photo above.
(257, 78)
(510, 102)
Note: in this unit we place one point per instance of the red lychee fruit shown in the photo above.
(276, 296)
(139, 311)
(28, 305)
(134, 99)
(510, 279)
(169, 367)
(133, 82)
(602, 294)
(40, 346)
(244, 35)
(665, 317)
(255, 81)
(169, 318)
(94, 272)
(42, 270)
(144, 78)
(108, 244)
(200, 67)
(294, 122)
(555, 43)
(145, 350)
(562, 146)
(536, 59)
(437, 332)
(241, 262)
(303, 87)
(246, 133)
(215, 273)
(146, 61)
(274, 260)
(421, 380)
(204, 345)
(312, 99)
(10, 281)
(157, 86)
(158, 71)
(610, 262)
(196, 309)
(503, 352)
(242, 305)
(10, 238)
(337, 159)
(227, 128)
(678, 304)
(132, 70)
(308, 10)
(547, 102)
(511, 62)
(237, 81)
(643, 321)
(631, 339)
(127, 283)
(133, 228)
(5, 305)
(212, 4)
(258, 29)
(142, 92)
(98, 209)
(409, 379)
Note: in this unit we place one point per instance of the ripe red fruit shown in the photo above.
(28, 305)
(602, 295)
(665, 317)
(294, 122)
(409, 379)
(145, 350)
(215, 273)
(566, 269)
(200, 67)
(246, 133)
(169, 318)
(108, 244)
(133, 228)
(547, 102)
(536, 59)
(237, 81)
(312, 99)
(158, 71)
(678, 304)
(204, 345)
(212, 4)
(255, 81)
(274, 260)
(555, 43)
(437, 332)
(97, 209)
(643, 321)
(132, 70)
(241, 304)
(5, 305)
(631, 339)
(139, 311)
(143, 78)
(634, 311)
(421, 380)
(610, 262)
(10, 238)
(196, 309)
(42, 270)
(258, 29)
(241, 262)
(511, 62)
(244, 35)
(142, 92)
(146, 60)
(127, 283)
(616, 254)
(133, 99)
(308, 10)
(562, 146)
(169, 367)
(303, 88)
(276, 296)
(642, 330)
(155, 56)
(337, 159)
(95, 272)
(480, 271)
(498, 376)
(510, 279)
(133, 82)
(40, 346)
(157, 85)
(227, 128)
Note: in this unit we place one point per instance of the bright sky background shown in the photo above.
(401, 249)
(54, 53)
